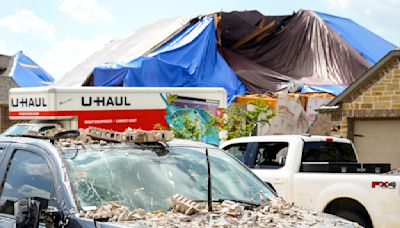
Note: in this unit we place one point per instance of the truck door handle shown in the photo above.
(277, 181)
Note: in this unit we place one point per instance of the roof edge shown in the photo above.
(369, 73)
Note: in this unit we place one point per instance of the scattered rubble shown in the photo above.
(93, 135)
(186, 213)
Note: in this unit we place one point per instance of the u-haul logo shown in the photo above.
(384, 184)
(105, 101)
(28, 102)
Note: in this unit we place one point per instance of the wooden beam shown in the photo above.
(217, 19)
(251, 36)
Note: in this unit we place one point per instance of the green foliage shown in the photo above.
(238, 122)
(235, 120)
(192, 126)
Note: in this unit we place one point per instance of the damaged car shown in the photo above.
(75, 180)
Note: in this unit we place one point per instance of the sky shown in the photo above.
(59, 34)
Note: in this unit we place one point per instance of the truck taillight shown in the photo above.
(329, 139)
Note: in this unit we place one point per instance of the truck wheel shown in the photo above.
(355, 216)
(349, 209)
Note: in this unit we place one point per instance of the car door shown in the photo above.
(28, 175)
(267, 163)
(254, 156)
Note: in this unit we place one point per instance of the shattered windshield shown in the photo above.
(147, 179)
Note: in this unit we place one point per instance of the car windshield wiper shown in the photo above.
(247, 203)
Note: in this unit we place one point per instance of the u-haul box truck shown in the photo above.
(115, 108)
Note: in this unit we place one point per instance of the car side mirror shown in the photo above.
(30, 211)
(27, 212)
(282, 160)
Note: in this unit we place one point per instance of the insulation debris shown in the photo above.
(186, 213)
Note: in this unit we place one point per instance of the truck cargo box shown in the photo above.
(115, 108)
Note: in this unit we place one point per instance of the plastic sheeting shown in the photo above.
(190, 59)
(26, 73)
(298, 47)
(368, 44)
(175, 120)
(124, 49)
(332, 89)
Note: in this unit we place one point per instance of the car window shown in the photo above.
(45, 128)
(271, 155)
(28, 176)
(237, 150)
(328, 152)
(1, 154)
(17, 130)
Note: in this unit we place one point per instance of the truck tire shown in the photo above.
(350, 209)
(355, 216)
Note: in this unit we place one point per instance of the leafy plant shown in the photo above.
(234, 120)
(238, 122)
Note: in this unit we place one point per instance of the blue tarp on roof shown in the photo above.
(368, 44)
(190, 59)
(27, 73)
(332, 89)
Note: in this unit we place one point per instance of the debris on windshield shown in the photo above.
(184, 205)
(187, 213)
(231, 208)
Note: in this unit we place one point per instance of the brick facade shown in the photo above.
(376, 98)
(5, 122)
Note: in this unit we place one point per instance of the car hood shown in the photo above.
(275, 213)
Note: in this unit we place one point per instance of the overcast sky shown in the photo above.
(59, 34)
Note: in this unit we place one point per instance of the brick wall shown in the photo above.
(4, 121)
(380, 98)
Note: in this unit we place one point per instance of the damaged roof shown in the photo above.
(264, 52)
(363, 81)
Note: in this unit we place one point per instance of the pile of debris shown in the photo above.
(93, 135)
(186, 213)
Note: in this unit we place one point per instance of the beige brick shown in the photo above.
(396, 105)
(366, 105)
(393, 86)
(377, 93)
(367, 93)
(382, 105)
(368, 98)
(395, 98)
(384, 98)
(378, 88)
(347, 106)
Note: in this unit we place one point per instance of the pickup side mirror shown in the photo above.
(27, 212)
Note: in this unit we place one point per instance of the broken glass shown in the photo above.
(145, 178)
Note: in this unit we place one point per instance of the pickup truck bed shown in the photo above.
(322, 173)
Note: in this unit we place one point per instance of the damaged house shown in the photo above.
(368, 111)
(18, 71)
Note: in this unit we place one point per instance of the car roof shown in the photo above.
(43, 143)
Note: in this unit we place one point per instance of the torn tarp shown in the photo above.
(332, 89)
(313, 48)
(26, 73)
(190, 59)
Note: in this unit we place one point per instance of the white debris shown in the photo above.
(276, 213)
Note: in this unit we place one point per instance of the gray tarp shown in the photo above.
(300, 47)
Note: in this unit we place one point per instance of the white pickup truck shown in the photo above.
(322, 173)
